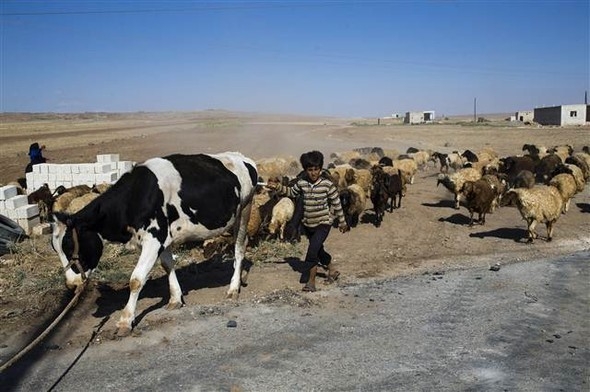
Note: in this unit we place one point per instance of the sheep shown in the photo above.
(442, 159)
(101, 188)
(487, 154)
(282, 213)
(513, 165)
(582, 161)
(343, 175)
(362, 177)
(408, 168)
(469, 156)
(534, 151)
(562, 151)
(454, 182)
(524, 179)
(455, 161)
(254, 226)
(573, 170)
(379, 193)
(360, 163)
(76, 190)
(278, 166)
(353, 200)
(80, 202)
(340, 158)
(396, 188)
(540, 204)
(421, 157)
(370, 153)
(566, 185)
(479, 197)
(44, 200)
(546, 166)
(499, 184)
(63, 201)
(385, 161)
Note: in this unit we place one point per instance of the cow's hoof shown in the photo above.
(123, 332)
(174, 305)
(232, 295)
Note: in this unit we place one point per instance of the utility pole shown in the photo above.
(474, 109)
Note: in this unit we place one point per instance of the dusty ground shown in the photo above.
(425, 236)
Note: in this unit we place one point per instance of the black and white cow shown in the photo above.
(161, 202)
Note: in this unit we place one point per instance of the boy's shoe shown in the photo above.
(310, 285)
(333, 274)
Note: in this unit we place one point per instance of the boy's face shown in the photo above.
(313, 172)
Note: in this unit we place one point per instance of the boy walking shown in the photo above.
(319, 195)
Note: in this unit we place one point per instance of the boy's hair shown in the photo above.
(311, 159)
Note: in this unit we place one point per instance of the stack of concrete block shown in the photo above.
(17, 208)
(107, 169)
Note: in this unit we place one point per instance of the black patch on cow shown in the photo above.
(253, 173)
(131, 201)
(209, 191)
(160, 232)
(90, 248)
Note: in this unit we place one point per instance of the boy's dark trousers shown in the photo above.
(316, 254)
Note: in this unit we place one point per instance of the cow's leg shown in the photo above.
(240, 231)
(168, 262)
(147, 259)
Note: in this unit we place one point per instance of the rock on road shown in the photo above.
(525, 327)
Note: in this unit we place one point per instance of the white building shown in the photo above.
(561, 115)
(419, 117)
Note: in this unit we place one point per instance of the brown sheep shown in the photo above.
(479, 197)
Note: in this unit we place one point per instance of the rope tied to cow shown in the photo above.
(75, 256)
(79, 290)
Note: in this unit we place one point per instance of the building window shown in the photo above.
(574, 113)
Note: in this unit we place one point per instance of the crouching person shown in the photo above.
(319, 195)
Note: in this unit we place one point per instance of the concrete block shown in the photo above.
(107, 158)
(109, 178)
(11, 213)
(64, 169)
(43, 168)
(75, 168)
(102, 168)
(28, 211)
(41, 229)
(86, 168)
(17, 201)
(124, 166)
(64, 177)
(30, 177)
(8, 191)
(52, 168)
(29, 224)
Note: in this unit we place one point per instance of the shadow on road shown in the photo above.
(518, 235)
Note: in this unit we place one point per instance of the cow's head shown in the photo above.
(78, 248)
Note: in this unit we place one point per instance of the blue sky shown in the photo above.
(338, 58)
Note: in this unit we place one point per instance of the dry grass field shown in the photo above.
(425, 235)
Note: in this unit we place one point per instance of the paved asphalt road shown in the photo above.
(525, 327)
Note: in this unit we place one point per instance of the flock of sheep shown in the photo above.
(539, 181)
